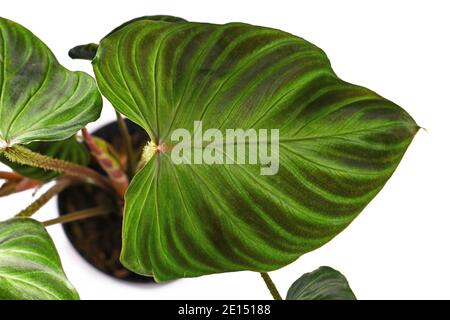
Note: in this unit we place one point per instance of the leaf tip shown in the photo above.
(84, 51)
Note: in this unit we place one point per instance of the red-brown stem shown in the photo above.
(8, 188)
(11, 176)
(25, 156)
(26, 184)
(115, 173)
(44, 198)
(12, 187)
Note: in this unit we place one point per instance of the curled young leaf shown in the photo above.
(324, 283)
(40, 100)
(30, 268)
(337, 146)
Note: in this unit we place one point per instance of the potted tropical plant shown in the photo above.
(242, 150)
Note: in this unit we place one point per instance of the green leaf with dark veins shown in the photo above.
(338, 145)
(40, 100)
(324, 283)
(68, 150)
(30, 268)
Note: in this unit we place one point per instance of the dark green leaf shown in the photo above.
(339, 144)
(324, 283)
(30, 267)
(39, 99)
(69, 150)
(84, 51)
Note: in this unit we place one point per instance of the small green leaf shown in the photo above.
(338, 145)
(324, 283)
(84, 51)
(69, 150)
(39, 99)
(30, 268)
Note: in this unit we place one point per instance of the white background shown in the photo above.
(398, 248)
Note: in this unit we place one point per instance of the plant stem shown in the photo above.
(25, 156)
(131, 160)
(11, 176)
(79, 215)
(11, 187)
(271, 286)
(44, 198)
(7, 189)
(113, 169)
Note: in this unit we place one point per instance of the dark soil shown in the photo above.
(99, 239)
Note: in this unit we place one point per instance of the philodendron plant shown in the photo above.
(257, 152)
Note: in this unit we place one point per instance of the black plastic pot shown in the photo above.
(98, 240)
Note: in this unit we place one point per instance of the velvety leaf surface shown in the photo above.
(69, 150)
(30, 267)
(324, 283)
(39, 99)
(339, 144)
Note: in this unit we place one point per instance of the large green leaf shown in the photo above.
(39, 99)
(29, 264)
(69, 150)
(339, 144)
(324, 283)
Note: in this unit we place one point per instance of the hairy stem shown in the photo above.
(79, 215)
(271, 286)
(131, 159)
(118, 178)
(27, 157)
(44, 198)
